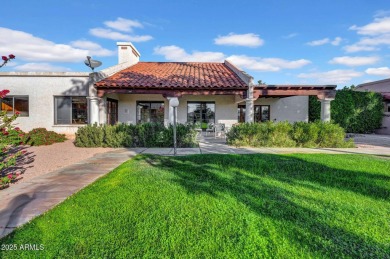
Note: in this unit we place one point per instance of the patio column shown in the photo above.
(325, 108)
(249, 109)
(94, 110)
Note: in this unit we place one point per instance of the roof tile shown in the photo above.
(175, 75)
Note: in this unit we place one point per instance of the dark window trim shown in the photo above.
(254, 108)
(71, 96)
(117, 110)
(213, 102)
(136, 109)
(13, 104)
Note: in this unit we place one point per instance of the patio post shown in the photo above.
(94, 110)
(174, 102)
(249, 110)
(325, 108)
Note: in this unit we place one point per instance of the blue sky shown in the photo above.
(280, 42)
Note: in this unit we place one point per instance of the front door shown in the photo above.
(112, 111)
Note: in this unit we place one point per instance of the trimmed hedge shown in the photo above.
(284, 134)
(356, 112)
(140, 135)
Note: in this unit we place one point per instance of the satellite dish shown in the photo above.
(92, 63)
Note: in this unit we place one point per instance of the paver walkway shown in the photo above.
(22, 202)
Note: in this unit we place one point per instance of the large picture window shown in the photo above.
(261, 113)
(201, 112)
(150, 112)
(70, 110)
(15, 104)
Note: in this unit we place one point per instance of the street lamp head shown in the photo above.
(174, 102)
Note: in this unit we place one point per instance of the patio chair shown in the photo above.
(210, 128)
(219, 130)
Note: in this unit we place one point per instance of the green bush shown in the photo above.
(357, 112)
(284, 134)
(89, 136)
(140, 135)
(42, 136)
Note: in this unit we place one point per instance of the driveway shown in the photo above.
(371, 140)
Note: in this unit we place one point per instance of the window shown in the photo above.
(387, 109)
(262, 113)
(150, 112)
(241, 113)
(201, 112)
(15, 104)
(70, 110)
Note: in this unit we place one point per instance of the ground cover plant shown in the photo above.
(222, 206)
(42, 136)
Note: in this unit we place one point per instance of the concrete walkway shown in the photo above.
(22, 202)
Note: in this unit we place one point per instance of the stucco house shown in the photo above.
(137, 92)
(382, 87)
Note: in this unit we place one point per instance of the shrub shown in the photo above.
(89, 136)
(357, 112)
(42, 136)
(140, 135)
(283, 134)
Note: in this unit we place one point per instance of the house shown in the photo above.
(382, 87)
(137, 92)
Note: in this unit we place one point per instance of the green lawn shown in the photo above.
(223, 206)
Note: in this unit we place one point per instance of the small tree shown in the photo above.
(8, 141)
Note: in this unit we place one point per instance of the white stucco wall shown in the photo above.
(284, 109)
(292, 109)
(41, 89)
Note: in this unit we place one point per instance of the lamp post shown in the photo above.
(174, 102)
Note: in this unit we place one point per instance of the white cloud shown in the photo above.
(251, 63)
(354, 61)
(338, 76)
(116, 28)
(114, 35)
(379, 71)
(369, 43)
(291, 35)
(246, 40)
(377, 27)
(40, 67)
(175, 53)
(266, 64)
(26, 46)
(92, 47)
(122, 24)
(31, 48)
(336, 41)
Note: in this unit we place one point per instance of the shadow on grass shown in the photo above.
(246, 180)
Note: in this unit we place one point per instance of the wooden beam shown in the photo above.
(293, 92)
(168, 93)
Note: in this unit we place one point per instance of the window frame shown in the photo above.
(243, 106)
(201, 102)
(13, 104)
(149, 102)
(71, 109)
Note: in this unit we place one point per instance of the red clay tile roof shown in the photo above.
(174, 75)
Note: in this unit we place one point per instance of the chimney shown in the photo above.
(127, 53)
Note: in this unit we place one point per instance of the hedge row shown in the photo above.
(356, 112)
(140, 135)
(284, 134)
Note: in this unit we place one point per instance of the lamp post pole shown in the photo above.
(174, 102)
(174, 132)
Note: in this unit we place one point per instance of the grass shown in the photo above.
(223, 206)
